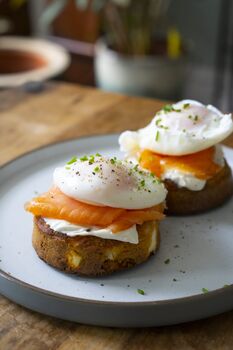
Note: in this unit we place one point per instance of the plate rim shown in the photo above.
(62, 297)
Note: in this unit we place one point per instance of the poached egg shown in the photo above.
(180, 129)
(109, 182)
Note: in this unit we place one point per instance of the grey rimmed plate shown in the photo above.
(195, 256)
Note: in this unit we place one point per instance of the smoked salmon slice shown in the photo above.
(200, 164)
(131, 217)
(55, 204)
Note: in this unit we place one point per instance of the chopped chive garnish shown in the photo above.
(157, 181)
(67, 167)
(142, 183)
(170, 108)
(135, 167)
(167, 108)
(157, 136)
(91, 159)
(141, 291)
(97, 169)
(113, 161)
(186, 105)
(98, 155)
(190, 117)
(196, 118)
(84, 158)
(205, 290)
(158, 121)
(167, 261)
(73, 160)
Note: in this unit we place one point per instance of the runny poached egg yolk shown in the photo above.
(200, 164)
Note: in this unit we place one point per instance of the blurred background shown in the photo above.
(168, 49)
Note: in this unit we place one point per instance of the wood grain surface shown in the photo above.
(59, 112)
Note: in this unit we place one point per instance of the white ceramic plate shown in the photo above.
(199, 249)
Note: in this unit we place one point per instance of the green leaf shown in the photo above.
(52, 11)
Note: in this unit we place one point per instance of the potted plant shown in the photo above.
(138, 53)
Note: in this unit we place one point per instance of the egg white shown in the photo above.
(110, 182)
(188, 127)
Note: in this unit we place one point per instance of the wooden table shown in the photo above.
(29, 120)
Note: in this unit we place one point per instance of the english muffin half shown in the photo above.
(181, 147)
(101, 216)
(93, 256)
(218, 189)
